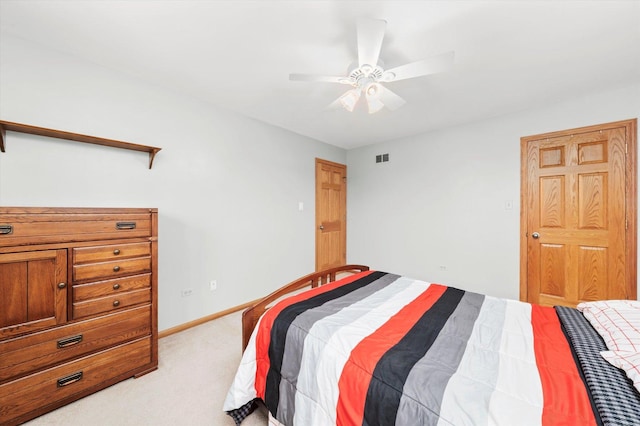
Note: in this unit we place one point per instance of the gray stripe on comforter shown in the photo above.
(428, 378)
(298, 332)
(484, 347)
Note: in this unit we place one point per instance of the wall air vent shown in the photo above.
(382, 158)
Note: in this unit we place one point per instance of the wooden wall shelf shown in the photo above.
(59, 134)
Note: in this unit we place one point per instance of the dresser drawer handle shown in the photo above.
(116, 252)
(116, 303)
(116, 286)
(6, 229)
(70, 379)
(125, 225)
(69, 341)
(116, 268)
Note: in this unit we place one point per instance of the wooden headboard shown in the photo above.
(252, 314)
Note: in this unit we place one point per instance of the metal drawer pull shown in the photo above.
(116, 252)
(70, 379)
(125, 225)
(6, 229)
(69, 341)
(116, 268)
(116, 286)
(116, 303)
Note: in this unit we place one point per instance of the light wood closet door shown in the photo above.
(331, 214)
(577, 208)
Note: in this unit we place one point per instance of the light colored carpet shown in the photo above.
(196, 368)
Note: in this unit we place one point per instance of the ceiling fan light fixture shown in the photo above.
(374, 105)
(372, 92)
(349, 99)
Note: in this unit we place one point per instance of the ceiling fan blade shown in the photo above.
(390, 99)
(335, 105)
(370, 36)
(427, 66)
(325, 78)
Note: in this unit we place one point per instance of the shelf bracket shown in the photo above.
(3, 135)
(152, 155)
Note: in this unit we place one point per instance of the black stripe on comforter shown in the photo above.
(281, 327)
(393, 368)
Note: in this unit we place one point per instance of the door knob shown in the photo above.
(321, 227)
(535, 235)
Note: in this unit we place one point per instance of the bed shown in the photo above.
(363, 347)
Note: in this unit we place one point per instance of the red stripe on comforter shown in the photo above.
(264, 332)
(357, 373)
(565, 398)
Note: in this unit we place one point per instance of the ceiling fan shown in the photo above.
(367, 75)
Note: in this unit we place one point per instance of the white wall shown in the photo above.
(436, 211)
(227, 188)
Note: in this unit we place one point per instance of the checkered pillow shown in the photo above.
(617, 321)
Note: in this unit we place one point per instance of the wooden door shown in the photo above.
(33, 290)
(331, 214)
(578, 220)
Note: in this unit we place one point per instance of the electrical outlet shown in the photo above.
(213, 285)
(186, 292)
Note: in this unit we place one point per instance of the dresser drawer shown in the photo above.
(82, 292)
(110, 252)
(55, 384)
(40, 350)
(113, 269)
(47, 226)
(111, 303)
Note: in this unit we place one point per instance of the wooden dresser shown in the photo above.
(78, 304)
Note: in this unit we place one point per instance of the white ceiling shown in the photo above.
(510, 55)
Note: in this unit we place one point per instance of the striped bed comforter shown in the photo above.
(382, 349)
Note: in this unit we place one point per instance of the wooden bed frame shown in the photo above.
(252, 314)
